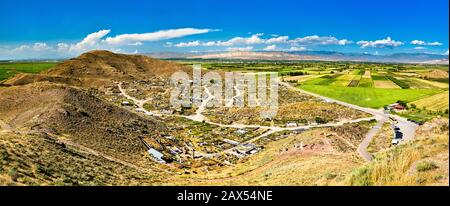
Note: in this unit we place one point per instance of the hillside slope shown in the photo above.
(97, 68)
(423, 161)
(79, 117)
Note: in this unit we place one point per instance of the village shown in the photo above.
(186, 141)
(193, 140)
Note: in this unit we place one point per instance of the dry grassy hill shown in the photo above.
(53, 121)
(79, 117)
(423, 161)
(97, 68)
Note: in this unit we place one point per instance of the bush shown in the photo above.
(426, 166)
(13, 173)
(361, 177)
(320, 120)
(402, 103)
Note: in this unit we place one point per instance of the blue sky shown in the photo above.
(53, 29)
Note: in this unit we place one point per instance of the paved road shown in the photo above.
(362, 148)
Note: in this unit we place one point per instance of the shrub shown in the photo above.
(320, 120)
(13, 173)
(426, 166)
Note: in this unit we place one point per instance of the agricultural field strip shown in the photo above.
(433, 83)
(435, 102)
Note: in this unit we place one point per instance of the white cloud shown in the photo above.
(435, 44)
(188, 44)
(41, 47)
(257, 39)
(252, 40)
(35, 50)
(90, 41)
(417, 42)
(423, 43)
(136, 44)
(168, 44)
(281, 39)
(420, 48)
(62, 47)
(21, 48)
(248, 48)
(94, 41)
(383, 43)
(271, 48)
(320, 40)
(297, 48)
(124, 39)
(446, 53)
(217, 43)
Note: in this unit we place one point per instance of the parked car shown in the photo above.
(398, 136)
(396, 141)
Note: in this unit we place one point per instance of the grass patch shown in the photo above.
(400, 83)
(8, 70)
(366, 82)
(370, 97)
(426, 166)
(325, 80)
(379, 78)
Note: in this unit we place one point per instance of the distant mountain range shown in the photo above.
(424, 58)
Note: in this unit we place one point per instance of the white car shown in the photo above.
(396, 141)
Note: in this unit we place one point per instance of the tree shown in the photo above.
(402, 103)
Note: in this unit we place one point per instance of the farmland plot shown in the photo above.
(386, 84)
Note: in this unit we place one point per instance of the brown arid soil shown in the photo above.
(327, 156)
(97, 68)
(78, 116)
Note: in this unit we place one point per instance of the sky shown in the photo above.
(61, 29)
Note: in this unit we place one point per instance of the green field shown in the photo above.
(8, 70)
(325, 80)
(365, 82)
(370, 97)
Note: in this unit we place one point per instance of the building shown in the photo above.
(241, 131)
(126, 103)
(291, 124)
(156, 155)
(247, 149)
(396, 106)
(167, 111)
(399, 107)
(232, 142)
